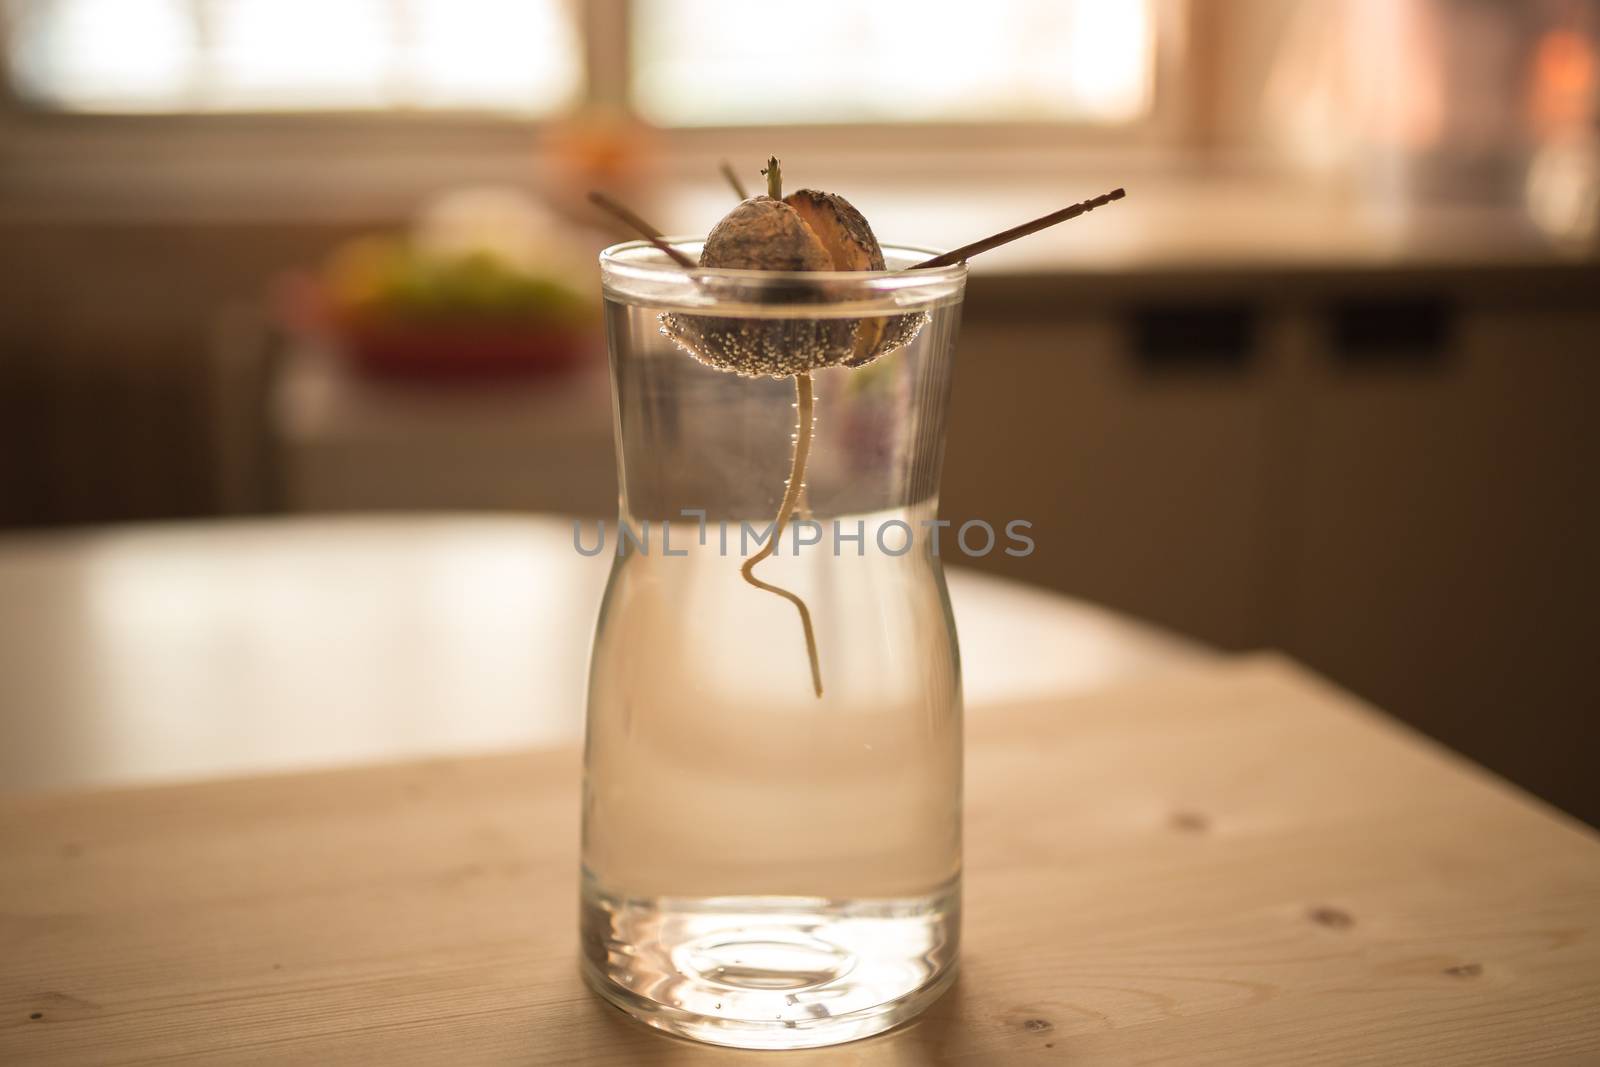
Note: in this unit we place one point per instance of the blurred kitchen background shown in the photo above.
(1321, 383)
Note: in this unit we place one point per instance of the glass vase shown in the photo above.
(772, 792)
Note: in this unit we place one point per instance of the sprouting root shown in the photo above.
(805, 403)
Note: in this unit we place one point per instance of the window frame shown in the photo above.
(514, 146)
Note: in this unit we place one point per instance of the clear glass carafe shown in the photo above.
(764, 866)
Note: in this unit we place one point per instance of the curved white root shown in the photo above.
(805, 403)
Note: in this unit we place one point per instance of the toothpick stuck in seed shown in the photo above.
(733, 180)
(1005, 237)
(643, 228)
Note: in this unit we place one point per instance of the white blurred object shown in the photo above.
(1563, 191)
(340, 443)
(729, 62)
(1434, 101)
(1353, 75)
(518, 56)
(509, 225)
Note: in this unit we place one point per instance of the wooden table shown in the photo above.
(1234, 864)
(167, 652)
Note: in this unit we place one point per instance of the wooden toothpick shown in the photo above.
(733, 180)
(1005, 237)
(643, 228)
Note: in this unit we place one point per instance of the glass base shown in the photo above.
(770, 972)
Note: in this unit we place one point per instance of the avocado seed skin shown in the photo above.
(808, 230)
(843, 230)
(764, 234)
(852, 246)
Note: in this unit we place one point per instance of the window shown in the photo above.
(122, 56)
(678, 63)
(731, 62)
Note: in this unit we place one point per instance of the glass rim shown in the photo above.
(671, 284)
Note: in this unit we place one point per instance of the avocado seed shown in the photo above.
(806, 231)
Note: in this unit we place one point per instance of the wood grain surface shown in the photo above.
(1235, 865)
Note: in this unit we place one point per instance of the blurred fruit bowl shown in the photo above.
(394, 312)
(458, 351)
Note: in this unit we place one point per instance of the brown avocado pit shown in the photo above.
(807, 230)
(841, 230)
(765, 234)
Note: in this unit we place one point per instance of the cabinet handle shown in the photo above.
(1179, 338)
(1413, 330)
